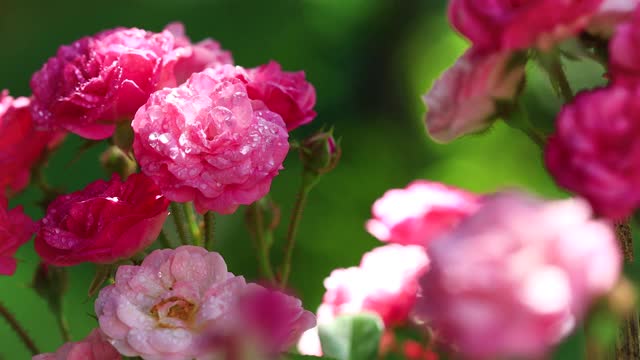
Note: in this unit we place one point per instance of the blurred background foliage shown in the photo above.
(370, 60)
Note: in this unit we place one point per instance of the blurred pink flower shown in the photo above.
(103, 223)
(594, 151)
(93, 347)
(204, 54)
(21, 146)
(610, 14)
(206, 141)
(419, 213)
(514, 278)
(288, 94)
(514, 25)
(624, 52)
(463, 100)
(16, 228)
(157, 310)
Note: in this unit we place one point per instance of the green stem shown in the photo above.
(559, 78)
(166, 241)
(19, 330)
(628, 343)
(294, 223)
(193, 224)
(264, 261)
(180, 219)
(209, 229)
(63, 326)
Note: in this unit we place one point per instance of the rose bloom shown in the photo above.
(93, 347)
(105, 222)
(285, 93)
(16, 228)
(385, 284)
(624, 52)
(419, 213)
(206, 141)
(513, 25)
(176, 299)
(21, 146)
(594, 151)
(463, 99)
(98, 81)
(514, 278)
(610, 14)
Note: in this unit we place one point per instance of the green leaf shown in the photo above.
(352, 337)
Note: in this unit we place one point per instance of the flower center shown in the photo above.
(174, 312)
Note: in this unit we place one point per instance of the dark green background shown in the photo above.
(370, 61)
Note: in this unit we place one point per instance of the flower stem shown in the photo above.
(209, 229)
(558, 77)
(628, 343)
(19, 330)
(193, 224)
(180, 219)
(166, 241)
(296, 216)
(264, 261)
(63, 326)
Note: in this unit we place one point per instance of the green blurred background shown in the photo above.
(370, 60)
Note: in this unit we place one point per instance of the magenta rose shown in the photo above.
(513, 25)
(206, 141)
(624, 52)
(105, 222)
(16, 228)
(94, 347)
(21, 146)
(419, 213)
(100, 80)
(516, 277)
(595, 153)
(285, 93)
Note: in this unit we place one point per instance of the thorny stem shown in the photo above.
(264, 261)
(19, 330)
(296, 216)
(209, 229)
(180, 219)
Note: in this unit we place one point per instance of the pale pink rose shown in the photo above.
(610, 14)
(463, 100)
(93, 347)
(21, 146)
(595, 153)
(419, 213)
(288, 94)
(204, 54)
(513, 25)
(515, 278)
(16, 228)
(624, 52)
(157, 310)
(206, 141)
(103, 223)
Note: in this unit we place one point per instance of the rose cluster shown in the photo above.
(201, 130)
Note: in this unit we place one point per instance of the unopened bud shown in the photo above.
(320, 153)
(114, 160)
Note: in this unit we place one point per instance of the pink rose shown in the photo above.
(98, 81)
(104, 222)
(610, 14)
(516, 277)
(21, 146)
(204, 54)
(159, 309)
(463, 99)
(285, 93)
(514, 25)
(16, 229)
(624, 52)
(594, 151)
(419, 213)
(93, 347)
(206, 141)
